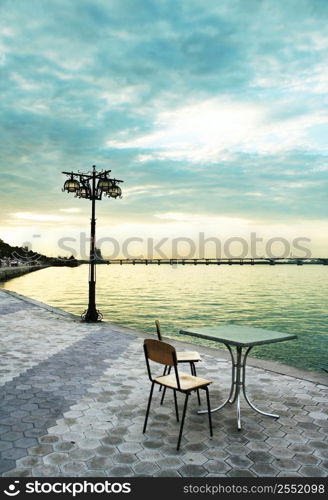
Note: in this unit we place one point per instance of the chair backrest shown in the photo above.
(163, 353)
(160, 352)
(158, 330)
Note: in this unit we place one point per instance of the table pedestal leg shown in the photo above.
(232, 388)
(244, 389)
(238, 381)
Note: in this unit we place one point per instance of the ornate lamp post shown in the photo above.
(92, 185)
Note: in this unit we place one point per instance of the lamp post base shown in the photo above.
(91, 316)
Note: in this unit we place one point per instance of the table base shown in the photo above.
(238, 377)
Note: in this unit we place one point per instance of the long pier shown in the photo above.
(219, 261)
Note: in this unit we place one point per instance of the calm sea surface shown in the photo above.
(292, 299)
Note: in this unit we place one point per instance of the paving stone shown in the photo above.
(168, 462)
(152, 455)
(6, 428)
(318, 445)
(215, 454)
(153, 444)
(28, 462)
(264, 470)
(41, 449)
(236, 449)
(99, 463)
(195, 437)
(286, 464)
(126, 458)
(195, 447)
(5, 445)
(82, 454)
(94, 473)
(49, 439)
(56, 458)
(240, 473)
(320, 453)
(88, 444)
(13, 453)
(167, 473)
(12, 436)
(112, 440)
(148, 468)
(194, 458)
(278, 442)
(241, 461)
(251, 436)
(120, 471)
(22, 426)
(46, 471)
(216, 467)
(94, 434)
(288, 474)
(34, 433)
(311, 471)
(106, 451)
(305, 459)
(192, 471)
(281, 452)
(300, 448)
(129, 447)
(260, 457)
(6, 465)
(25, 442)
(18, 473)
(74, 468)
(64, 446)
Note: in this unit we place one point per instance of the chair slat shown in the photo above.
(187, 382)
(160, 352)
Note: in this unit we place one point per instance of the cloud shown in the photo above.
(37, 217)
(208, 108)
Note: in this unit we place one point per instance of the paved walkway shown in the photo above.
(73, 404)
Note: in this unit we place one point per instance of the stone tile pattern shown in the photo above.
(81, 411)
(30, 334)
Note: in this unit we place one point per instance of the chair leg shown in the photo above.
(176, 404)
(163, 395)
(148, 406)
(183, 419)
(193, 372)
(164, 390)
(209, 410)
(164, 373)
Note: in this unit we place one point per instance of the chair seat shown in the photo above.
(187, 382)
(188, 356)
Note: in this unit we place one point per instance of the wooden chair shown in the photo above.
(190, 357)
(165, 354)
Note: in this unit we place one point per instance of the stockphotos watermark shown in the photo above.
(235, 247)
(72, 488)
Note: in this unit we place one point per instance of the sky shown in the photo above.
(213, 113)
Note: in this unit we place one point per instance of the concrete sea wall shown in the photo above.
(7, 273)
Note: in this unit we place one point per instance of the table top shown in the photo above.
(238, 335)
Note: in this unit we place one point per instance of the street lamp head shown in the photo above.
(83, 192)
(71, 185)
(104, 184)
(114, 191)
